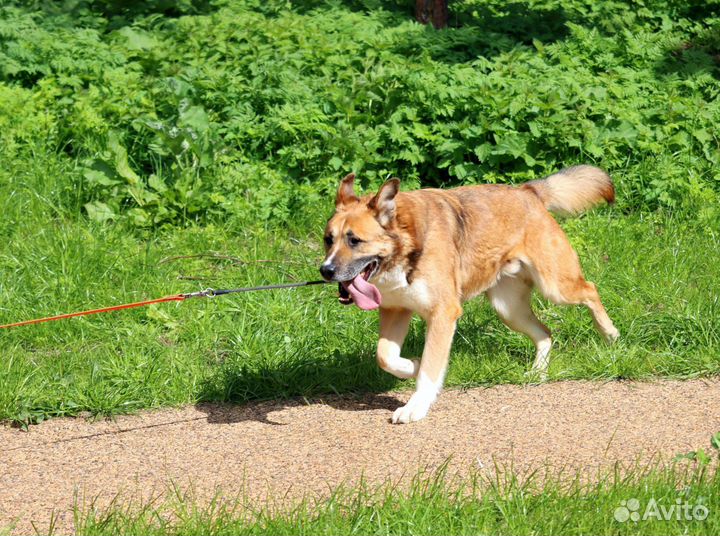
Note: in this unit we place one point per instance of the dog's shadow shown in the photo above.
(241, 391)
(349, 381)
(262, 411)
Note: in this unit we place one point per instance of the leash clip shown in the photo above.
(207, 293)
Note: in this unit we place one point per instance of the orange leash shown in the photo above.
(207, 293)
(177, 297)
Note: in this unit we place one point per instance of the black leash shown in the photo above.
(211, 293)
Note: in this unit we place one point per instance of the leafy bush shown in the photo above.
(254, 109)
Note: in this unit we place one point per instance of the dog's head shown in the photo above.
(359, 239)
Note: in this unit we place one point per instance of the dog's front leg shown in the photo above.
(394, 324)
(440, 332)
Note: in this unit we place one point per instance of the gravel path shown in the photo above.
(298, 447)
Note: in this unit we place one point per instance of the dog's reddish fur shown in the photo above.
(439, 248)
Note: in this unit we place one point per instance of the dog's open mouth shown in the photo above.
(359, 291)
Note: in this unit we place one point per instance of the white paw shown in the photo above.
(410, 412)
(612, 336)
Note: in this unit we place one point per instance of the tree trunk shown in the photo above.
(435, 11)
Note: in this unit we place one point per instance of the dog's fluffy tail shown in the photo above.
(574, 189)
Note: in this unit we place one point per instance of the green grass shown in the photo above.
(434, 504)
(655, 273)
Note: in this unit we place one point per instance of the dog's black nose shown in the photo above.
(328, 271)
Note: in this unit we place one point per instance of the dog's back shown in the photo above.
(475, 231)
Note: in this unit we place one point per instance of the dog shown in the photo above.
(428, 251)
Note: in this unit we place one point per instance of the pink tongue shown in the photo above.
(364, 294)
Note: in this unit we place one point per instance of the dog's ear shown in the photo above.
(346, 191)
(384, 201)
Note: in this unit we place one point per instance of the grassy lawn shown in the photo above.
(134, 134)
(436, 504)
(655, 273)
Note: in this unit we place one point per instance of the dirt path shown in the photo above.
(306, 447)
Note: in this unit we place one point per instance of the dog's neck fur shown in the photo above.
(407, 235)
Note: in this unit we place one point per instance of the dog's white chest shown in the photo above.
(397, 292)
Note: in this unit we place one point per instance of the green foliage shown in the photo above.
(162, 113)
(699, 456)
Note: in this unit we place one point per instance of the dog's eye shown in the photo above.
(328, 240)
(353, 241)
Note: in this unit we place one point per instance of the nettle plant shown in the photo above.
(251, 108)
(175, 150)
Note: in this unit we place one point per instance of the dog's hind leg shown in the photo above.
(585, 292)
(558, 275)
(394, 324)
(510, 297)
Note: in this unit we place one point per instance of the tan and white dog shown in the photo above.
(428, 251)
